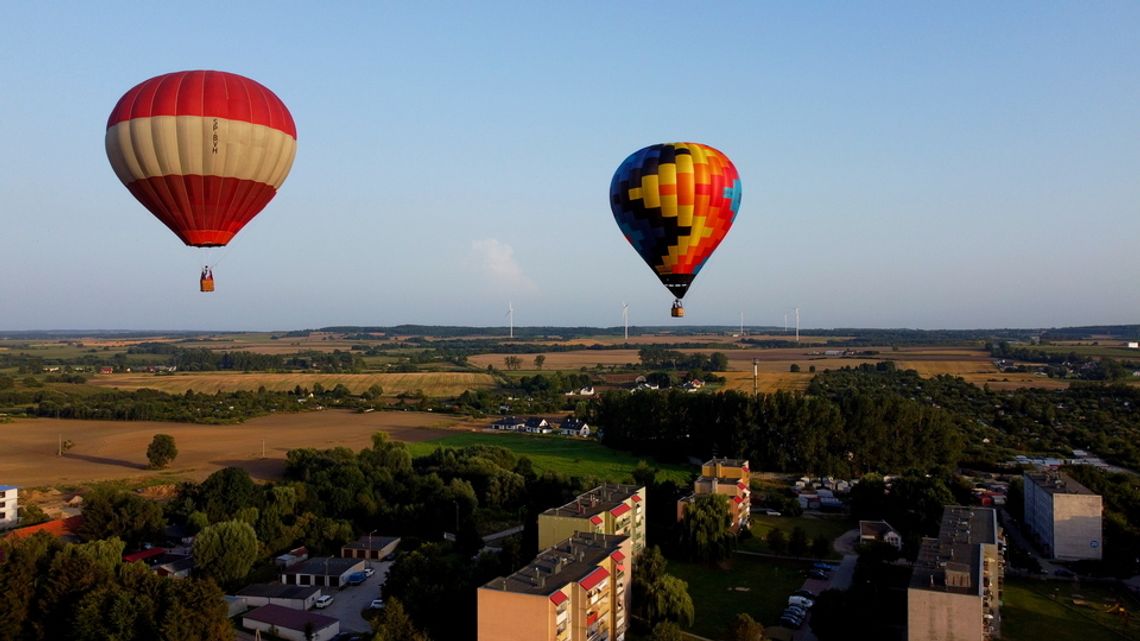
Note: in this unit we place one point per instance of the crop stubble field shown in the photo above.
(434, 384)
(112, 450)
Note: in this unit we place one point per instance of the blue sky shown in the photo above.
(903, 164)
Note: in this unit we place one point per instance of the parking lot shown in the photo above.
(351, 600)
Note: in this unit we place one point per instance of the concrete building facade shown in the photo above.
(9, 506)
(607, 509)
(729, 477)
(955, 589)
(1064, 515)
(577, 590)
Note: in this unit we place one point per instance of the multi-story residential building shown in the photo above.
(9, 506)
(606, 509)
(729, 477)
(1064, 515)
(577, 590)
(955, 590)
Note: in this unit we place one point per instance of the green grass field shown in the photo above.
(574, 457)
(756, 586)
(1033, 610)
(830, 527)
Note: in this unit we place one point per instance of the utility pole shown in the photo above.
(755, 372)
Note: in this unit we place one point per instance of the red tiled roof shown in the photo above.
(558, 597)
(56, 528)
(621, 509)
(636, 498)
(143, 554)
(617, 556)
(596, 520)
(594, 578)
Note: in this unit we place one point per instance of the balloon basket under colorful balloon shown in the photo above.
(678, 311)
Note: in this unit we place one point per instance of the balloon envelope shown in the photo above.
(204, 151)
(675, 202)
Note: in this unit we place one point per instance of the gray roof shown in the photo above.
(284, 617)
(571, 560)
(372, 543)
(1059, 483)
(604, 497)
(279, 591)
(957, 549)
(334, 566)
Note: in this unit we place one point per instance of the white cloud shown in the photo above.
(496, 260)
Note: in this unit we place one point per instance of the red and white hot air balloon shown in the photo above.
(204, 151)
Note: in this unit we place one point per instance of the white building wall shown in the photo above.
(9, 507)
(1077, 526)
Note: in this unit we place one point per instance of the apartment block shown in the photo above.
(955, 590)
(577, 590)
(729, 477)
(1064, 515)
(607, 509)
(9, 506)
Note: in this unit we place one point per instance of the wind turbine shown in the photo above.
(797, 324)
(511, 317)
(742, 324)
(625, 319)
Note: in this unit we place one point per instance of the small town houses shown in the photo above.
(569, 426)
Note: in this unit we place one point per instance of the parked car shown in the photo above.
(369, 571)
(808, 593)
(324, 601)
(801, 601)
(826, 567)
(789, 620)
(818, 574)
(377, 604)
(356, 578)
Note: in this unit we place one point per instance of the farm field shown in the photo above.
(112, 450)
(1033, 610)
(574, 457)
(753, 585)
(434, 384)
(573, 360)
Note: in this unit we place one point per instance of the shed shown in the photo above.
(294, 597)
(326, 570)
(294, 625)
(370, 547)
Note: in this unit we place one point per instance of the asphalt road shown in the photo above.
(351, 600)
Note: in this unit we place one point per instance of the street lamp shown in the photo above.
(368, 556)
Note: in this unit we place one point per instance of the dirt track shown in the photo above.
(110, 450)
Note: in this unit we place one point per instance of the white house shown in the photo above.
(509, 423)
(1133, 345)
(9, 506)
(574, 427)
(881, 531)
(538, 426)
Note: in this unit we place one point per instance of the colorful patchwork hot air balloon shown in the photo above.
(204, 151)
(675, 202)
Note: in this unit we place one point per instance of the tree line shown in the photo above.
(784, 431)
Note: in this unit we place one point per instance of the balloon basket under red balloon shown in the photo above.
(206, 284)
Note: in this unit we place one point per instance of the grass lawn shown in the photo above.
(568, 456)
(1034, 610)
(827, 526)
(717, 601)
